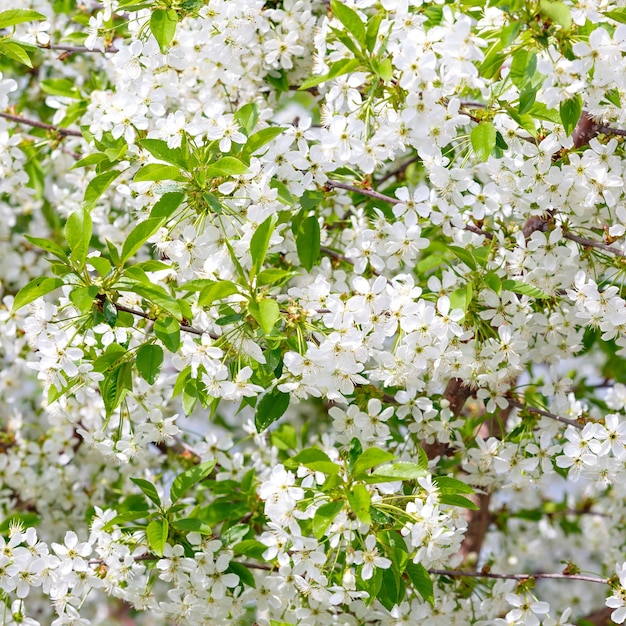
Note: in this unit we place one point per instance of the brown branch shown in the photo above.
(590, 243)
(540, 575)
(586, 129)
(335, 184)
(564, 420)
(37, 124)
(74, 49)
(147, 316)
(398, 171)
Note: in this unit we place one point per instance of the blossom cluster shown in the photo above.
(312, 312)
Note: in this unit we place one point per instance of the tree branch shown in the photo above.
(540, 575)
(590, 243)
(37, 124)
(183, 327)
(74, 49)
(564, 420)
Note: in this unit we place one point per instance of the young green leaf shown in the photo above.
(314, 459)
(260, 242)
(308, 242)
(78, 235)
(163, 26)
(350, 19)
(226, 166)
(148, 362)
(18, 16)
(269, 408)
(570, 111)
(157, 171)
(148, 489)
(156, 533)
(36, 288)
(216, 291)
(97, 186)
(167, 329)
(185, 481)
(421, 581)
(268, 315)
(371, 457)
(483, 138)
(324, 517)
(359, 500)
(139, 235)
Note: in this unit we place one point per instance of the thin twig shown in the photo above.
(370, 193)
(459, 573)
(398, 170)
(72, 49)
(590, 243)
(553, 416)
(183, 327)
(44, 126)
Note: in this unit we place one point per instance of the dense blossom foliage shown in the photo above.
(313, 312)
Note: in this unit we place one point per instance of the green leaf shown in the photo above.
(148, 489)
(371, 457)
(315, 459)
(449, 484)
(268, 315)
(371, 34)
(273, 276)
(455, 500)
(262, 137)
(248, 116)
(271, 407)
(226, 166)
(139, 235)
(83, 297)
(60, 87)
(324, 517)
(168, 203)
(167, 329)
(359, 500)
(110, 313)
(619, 15)
(558, 12)
(18, 16)
(421, 581)
(338, 68)
(526, 99)
(78, 235)
(97, 186)
(570, 111)
(483, 138)
(350, 19)
(250, 548)
(116, 384)
(260, 242)
(523, 289)
(163, 24)
(15, 51)
(464, 255)
(308, 242)
(245, 575)
(185, 481)
(157, 171)
(160, 150)
(148, 362)
(216, 291)
(397, 471)
(156, 533)
(36, 288)
(461, 298)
